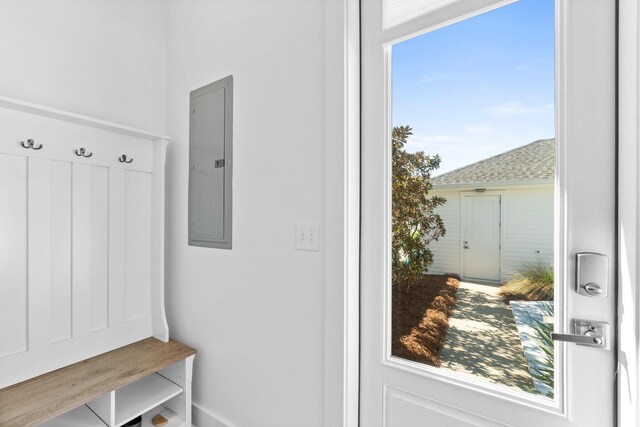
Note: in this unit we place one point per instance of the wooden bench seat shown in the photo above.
(44, 397)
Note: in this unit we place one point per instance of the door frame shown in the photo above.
(342, 29)
(463, 216)
(342, 212)
(628, 205)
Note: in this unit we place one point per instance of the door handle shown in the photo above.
(578, 339)
(586, 332)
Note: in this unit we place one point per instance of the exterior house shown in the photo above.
(499, 214)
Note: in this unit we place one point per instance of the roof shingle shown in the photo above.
(535, 161)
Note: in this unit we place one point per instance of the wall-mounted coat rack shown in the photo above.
(112, 252)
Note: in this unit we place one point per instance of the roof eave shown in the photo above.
(496, 184)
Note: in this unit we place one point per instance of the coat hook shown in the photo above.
(31, 144)
(123, 159)
(82, 153)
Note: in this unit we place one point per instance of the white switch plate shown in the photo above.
(307, 238)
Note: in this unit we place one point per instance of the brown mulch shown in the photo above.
(420, 317)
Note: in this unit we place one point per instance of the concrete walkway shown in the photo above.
(482, 339)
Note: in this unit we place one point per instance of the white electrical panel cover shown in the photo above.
(210, 143)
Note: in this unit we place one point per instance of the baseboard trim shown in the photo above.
(203, 417)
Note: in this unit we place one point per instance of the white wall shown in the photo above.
(527, 230)
(254, 313)
(99, 58)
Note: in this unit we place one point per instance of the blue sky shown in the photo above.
(478, 87)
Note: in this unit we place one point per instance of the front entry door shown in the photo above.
(396, 391)
(481, 234)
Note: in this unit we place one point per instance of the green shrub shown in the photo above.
(534, 282)
(415, 222)
(545, 372)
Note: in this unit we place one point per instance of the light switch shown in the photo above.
(306, 237)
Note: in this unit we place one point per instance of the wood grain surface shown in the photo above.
(42, 398)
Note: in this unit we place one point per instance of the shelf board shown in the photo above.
(173, 418)
(142, 396)
(82, 416)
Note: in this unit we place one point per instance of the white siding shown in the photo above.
(527, 229)
(446, 251)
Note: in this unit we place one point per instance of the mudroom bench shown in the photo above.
(147, 378)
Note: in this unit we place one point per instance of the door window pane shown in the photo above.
(473, 161)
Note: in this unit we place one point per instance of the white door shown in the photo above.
(398, 392)
(481, 237)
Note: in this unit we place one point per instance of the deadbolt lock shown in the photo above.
(592, 274)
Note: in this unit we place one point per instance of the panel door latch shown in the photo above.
(586, 332)
(220, 163)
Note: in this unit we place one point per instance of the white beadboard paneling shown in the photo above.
(90, 248)
(39, 202)
(60, 326)
(13, 253)
(117, 248)
(81, 273)
(129, 245)
(137, 244)
(49, 198)
(99, 247)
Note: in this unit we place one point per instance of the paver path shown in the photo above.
(482, 339)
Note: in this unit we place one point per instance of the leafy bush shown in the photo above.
(534, 282)
(414, 220)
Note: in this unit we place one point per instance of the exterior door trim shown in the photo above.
(628, 200)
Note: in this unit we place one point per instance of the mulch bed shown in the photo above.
(420, 317)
